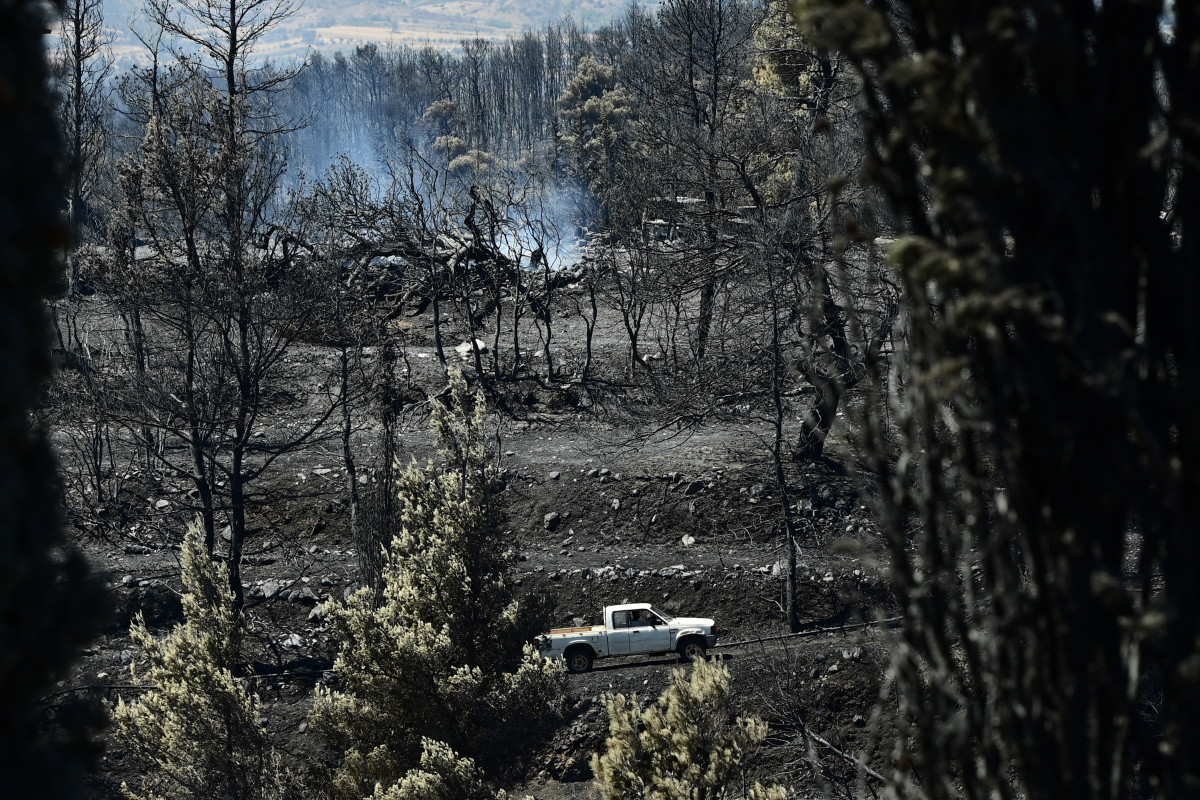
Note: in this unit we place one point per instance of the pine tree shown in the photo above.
(441, 657)
(196, 733)
(687, 746)
(1038, 476)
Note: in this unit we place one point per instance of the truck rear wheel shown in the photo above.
(691, 650)
(579, 659)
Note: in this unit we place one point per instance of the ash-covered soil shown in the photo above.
(595, 516)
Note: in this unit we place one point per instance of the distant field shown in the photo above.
(330, 25)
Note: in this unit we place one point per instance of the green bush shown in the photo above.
(196, 734)
(441, 658)
(687, 746)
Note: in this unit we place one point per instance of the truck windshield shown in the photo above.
(665, 616)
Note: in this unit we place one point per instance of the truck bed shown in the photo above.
(584, 629)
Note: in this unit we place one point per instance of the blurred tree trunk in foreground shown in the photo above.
(1044, 501)
(48, 608)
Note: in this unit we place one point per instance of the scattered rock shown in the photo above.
(555, 475)
(464, 349)
(694, 487)
(292, 640)
(688, 540)
(616, 504)
(270, 589)
(551, 521)
(162, 505)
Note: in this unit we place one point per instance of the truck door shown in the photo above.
(619, 634)
(648, 633)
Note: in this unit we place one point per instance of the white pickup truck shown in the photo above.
(629, 629)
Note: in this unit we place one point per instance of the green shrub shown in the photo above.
(687, 746)
(196, 734)
(441, 658)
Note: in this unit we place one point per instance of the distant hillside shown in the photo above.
(330, 25)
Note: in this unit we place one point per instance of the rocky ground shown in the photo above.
(688, 523)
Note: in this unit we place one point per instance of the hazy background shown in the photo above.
(332, 25)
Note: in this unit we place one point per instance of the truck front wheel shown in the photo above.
(579, 659)
(691, 650)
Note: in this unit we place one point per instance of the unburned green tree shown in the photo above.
(687, 746)
(595, 111)
(441, 657)
(196, 733)
(1041, 487)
